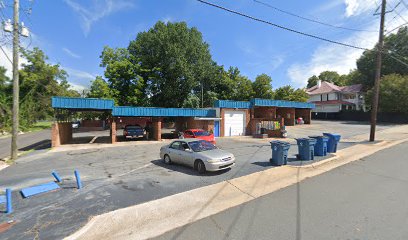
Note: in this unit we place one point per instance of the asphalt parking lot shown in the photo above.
(122, 176)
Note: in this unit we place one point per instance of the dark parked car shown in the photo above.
(133, 131)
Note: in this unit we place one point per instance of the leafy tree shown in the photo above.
(312, 81)
(192, 101)
(262, 87)
(393, 94)
(396, 46)
(5, 100)
(174, 60)
(99, 89)
(39, 82)
(243, 87)
(288, 93)
(121, 70)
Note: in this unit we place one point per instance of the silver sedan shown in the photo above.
(201, 155)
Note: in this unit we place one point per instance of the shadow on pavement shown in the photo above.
(186, 170)
(43, 144)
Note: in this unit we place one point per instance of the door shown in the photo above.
(234, 123)
(175, 152)
(186, 155)
(216, 128)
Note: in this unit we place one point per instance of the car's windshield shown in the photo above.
(199, 146)
(202, 133)
(133, 127)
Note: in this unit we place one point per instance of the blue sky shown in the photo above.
(73, 33)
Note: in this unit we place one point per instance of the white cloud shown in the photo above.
(338, 58)
(99, 10)
(357, 7)
(71, 53)
(78, 78)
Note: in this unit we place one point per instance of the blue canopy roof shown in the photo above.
(82, 103)
(162, 112)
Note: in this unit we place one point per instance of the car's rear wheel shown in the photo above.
(200, 167)
(167, 159)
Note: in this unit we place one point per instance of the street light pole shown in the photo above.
(16, 45)
(374, 107)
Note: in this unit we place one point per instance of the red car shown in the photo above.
(200, 134)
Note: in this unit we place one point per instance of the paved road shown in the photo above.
(26, 142)
(366, 199)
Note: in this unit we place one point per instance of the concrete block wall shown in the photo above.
(156, 129)
(61, 133)
(113, 133)
(306, 114)
(183, 123)
(265, 112)
(288, 114)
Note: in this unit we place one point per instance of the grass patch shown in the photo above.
(38, 126)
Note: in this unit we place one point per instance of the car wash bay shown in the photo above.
(118, 117)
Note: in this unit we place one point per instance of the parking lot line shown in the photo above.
(144, 166)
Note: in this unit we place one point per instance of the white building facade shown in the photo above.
(330, 98)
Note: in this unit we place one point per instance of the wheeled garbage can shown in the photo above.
(279, 153)
(320, 148)
(306, 148)
(333, 141)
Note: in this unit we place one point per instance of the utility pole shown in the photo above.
(16, 45)
(374, 107)
(202, 95)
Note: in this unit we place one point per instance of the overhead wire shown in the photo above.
(310, 19)
(5, 54)
(296, 31)
(280, 26)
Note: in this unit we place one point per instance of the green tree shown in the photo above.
(99, 89)
(39, 81)
(262, 87)
(312, 81)
(396, 46)
(288, 93)
(122, 71)
(174, 61)
(393, 94)
(5, 100)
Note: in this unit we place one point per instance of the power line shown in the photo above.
(309, 19)
(5, 54)
(281, 27)
(389, 32)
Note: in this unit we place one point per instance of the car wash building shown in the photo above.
(226, 118)
(249, 117)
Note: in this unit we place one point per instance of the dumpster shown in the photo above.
(333, 141)
(306, 148)
(279, 153)
(320, 148)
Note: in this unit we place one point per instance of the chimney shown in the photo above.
(319, 83)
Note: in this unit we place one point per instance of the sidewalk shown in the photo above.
(156, 217)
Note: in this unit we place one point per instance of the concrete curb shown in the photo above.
(151, 219)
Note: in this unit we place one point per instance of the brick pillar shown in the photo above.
(113, 131)
(156, 127)
(55, 138)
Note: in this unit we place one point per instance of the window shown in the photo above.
(184, 146)
(176, 145)
(189, 133)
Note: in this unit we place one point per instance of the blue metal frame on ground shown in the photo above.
(30, 191)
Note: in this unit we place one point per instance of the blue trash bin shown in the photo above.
(333, 141)
(320, 148)
(279, 153)
(306, 148)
